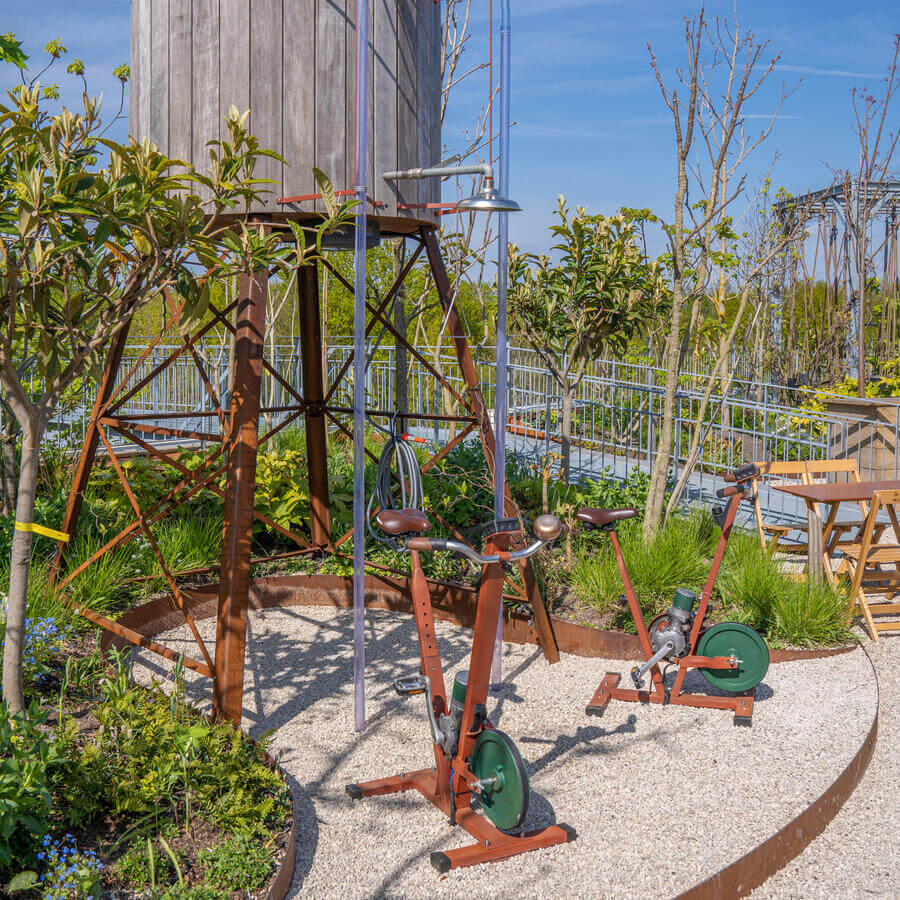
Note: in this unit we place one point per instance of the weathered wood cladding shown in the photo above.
(292, 62)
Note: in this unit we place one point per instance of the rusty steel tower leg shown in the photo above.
(90, 443)
(467, 366)
(242, 440)
(314, 395)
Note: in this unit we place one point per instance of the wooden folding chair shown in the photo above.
(872, 586)
(772, 537)
(823, 471)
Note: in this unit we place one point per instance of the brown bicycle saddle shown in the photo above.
(402, 521)
(600, 517)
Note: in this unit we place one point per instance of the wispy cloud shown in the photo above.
(838, 73)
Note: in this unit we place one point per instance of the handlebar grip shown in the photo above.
(730, 491)
(742, 473)
(426, 544)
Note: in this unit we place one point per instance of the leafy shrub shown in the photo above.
(677, 555)
(155, 755)
(27, 755)
(237, 864)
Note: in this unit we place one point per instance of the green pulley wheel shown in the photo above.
(734, 639)
(496, 763)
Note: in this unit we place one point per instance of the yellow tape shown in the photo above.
(40, 529)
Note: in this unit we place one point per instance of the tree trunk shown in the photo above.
(20, 558)
(566, 431)
(659, 474)
(8, 469)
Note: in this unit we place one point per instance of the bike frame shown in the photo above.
(450, 785)
(609, 689)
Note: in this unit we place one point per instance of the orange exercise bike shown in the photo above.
(730, 656)
(478, 779)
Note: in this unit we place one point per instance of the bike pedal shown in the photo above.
(638, 681)
(409, 685)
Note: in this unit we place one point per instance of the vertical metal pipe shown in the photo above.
(359, 367)
(500, 393)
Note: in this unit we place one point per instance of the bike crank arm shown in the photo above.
(407, 686)
(638, 672)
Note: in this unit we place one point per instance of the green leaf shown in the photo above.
(11, 51)
(23, 881)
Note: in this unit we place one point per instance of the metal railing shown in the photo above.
(617, 412)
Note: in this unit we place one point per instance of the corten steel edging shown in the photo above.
(285, 874)
(451, 603)
(774, 853)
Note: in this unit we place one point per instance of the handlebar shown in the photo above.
(547, 526)
(742, 473)
(730, 491)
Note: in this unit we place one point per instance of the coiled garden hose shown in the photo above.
(396, 453)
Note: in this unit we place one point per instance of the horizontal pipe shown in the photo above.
(442, 172)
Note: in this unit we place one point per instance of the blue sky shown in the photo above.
(590, 122)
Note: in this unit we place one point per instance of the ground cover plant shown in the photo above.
(108, 785)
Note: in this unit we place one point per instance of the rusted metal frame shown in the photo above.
(476, 403)
(295, 414)
(430, 661)
(89, 445)
(196, 413)
(210, 390)
(378, 315)
(348, 192)
(179, 351)
(151, 514)
(177, 595)
(388, 297)
(237, 534)
(706, 593)
(154, 451)
(206, 570)
(453, 777)
(133, 637)
(314, 398)
(349, 433)
(387, 413)
(120, 424)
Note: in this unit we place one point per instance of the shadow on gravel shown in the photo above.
(584, 741)
(306, 834)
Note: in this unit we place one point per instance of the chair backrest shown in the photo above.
(787, 471)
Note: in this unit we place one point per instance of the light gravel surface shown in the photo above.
(661, 797)
(858, 854)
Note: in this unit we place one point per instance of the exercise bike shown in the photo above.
(477, 768)
(730, 656)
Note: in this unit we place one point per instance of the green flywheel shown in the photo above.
(497, 764)
(734, 639)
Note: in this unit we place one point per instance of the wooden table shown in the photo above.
(832, 495)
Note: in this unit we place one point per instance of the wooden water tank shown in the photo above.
(292, 63)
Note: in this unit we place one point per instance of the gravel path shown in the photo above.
(661, 797)
(857, 855)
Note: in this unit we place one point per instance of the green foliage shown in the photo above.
(155, 755)
(237, 864)
(799, 613)
(27, 756)
(675, 556)
(599, 293)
